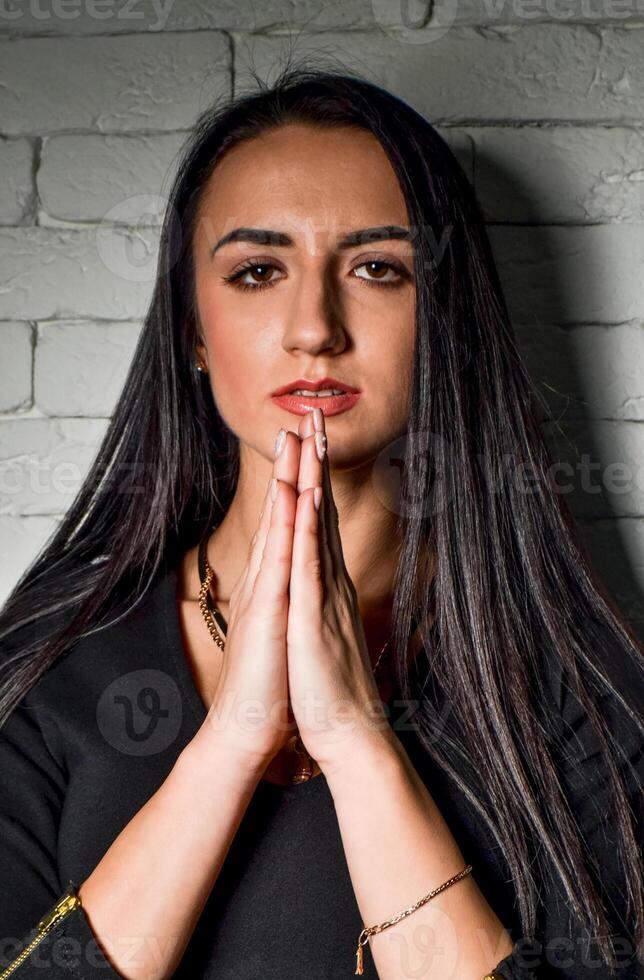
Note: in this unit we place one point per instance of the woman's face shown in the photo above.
(272, 313)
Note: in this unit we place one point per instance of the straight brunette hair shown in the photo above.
(512, 597)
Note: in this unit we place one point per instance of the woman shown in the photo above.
(242, 729)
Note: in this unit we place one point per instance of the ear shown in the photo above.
(201, 354)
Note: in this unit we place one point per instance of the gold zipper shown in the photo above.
(66, 904)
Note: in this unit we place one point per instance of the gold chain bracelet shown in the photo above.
(363, 938)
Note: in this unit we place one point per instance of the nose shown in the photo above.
(313, 321)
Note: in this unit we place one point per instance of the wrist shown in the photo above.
(365, 752)
(205, 754)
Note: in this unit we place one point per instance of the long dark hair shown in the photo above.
(512, 583)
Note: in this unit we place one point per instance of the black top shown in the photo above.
(101, 730)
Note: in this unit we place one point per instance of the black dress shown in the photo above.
(101, 730)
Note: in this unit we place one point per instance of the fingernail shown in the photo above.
(317, 497)
(274, 488)
(320, 444)
(318, 423)
(279, 442)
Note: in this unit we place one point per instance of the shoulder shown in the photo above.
(65, 699)
(126, 637)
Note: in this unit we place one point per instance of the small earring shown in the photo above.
(200, 367)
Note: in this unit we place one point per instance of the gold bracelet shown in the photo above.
(363, 938)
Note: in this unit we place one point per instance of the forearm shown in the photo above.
(144, 898)
(399, 848)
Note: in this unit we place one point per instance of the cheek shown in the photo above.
(236, 379)
(391, 358)
(232, 359)
(241, 377)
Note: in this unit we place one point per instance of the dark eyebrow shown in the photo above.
(263, 236)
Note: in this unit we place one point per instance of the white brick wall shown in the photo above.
(541, 100)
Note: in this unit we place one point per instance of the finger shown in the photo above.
(307, 588)
(307, 423)
(311, 475)
(258, 541)
(330, 535)
(285, 467)
(272, 581)
(331, 523)
(330, 511)
(243, 586)
(310, 469)
(330, 519)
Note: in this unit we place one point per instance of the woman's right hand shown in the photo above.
(249, 713)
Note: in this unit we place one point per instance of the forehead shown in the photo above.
(302, 179)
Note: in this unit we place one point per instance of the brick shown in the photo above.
(492, 13)
(15, 366)
(105, 273)
(462, 146)
(79, 16)
(80, 368)
(538, 72)
(136, 82)
(122, 16)
(586, 372)
(21, 540)
(616, 549)
(559, 174)
(582, 275)
(16, 182)
(127, 178)
(599, 466)
(43, 462)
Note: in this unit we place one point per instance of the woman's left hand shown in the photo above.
(333, 693)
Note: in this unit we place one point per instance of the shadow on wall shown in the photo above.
(570, 284)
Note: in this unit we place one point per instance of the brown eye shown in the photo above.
(261, 281)
(263, 269)
(378, 273)
(377, 270)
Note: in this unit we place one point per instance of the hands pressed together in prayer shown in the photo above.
(296, 642)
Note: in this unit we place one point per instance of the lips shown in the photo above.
(320, 385)
(328, 404)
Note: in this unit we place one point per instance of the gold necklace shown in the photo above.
(217, 627)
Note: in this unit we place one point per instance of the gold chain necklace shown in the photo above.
(217, 627)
